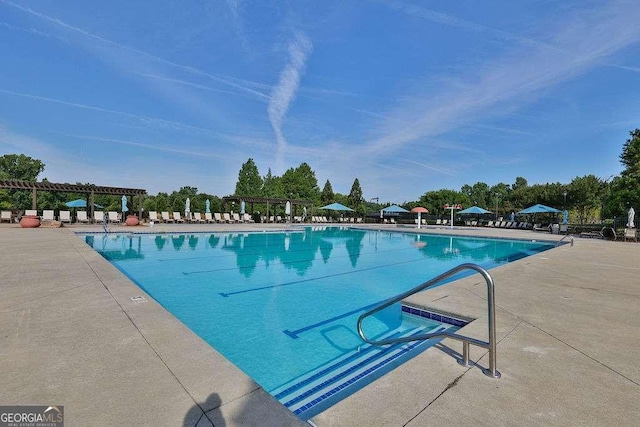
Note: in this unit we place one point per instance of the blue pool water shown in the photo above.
(283, 306)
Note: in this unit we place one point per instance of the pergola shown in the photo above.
(89, 190)
(265, 200)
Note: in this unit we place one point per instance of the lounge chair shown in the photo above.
(236, 217)
(98, 216)
(539, 227)
(247, 218)
(630, 233)
(32, 212)
(47, 215)
(592, 234)
(218, 217)
(197, 217)
(153, 216)
(113, 217)
(490, 224)
(65, 216)
(226, 217)
(5, 216)
(177, 218)
(166, 217)
(81, 216)
(208, 218)
(438, 221)
(564, 228)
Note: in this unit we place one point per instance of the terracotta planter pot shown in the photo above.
(132, 220)
(30, 221)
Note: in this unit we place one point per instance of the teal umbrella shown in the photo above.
(80, 203)
(539, 209)
(474, 210)
(336, 207)
(394, 209)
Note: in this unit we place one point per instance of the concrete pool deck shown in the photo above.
(568, 325)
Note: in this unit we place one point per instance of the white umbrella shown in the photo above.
(187, 208)
(630, 218)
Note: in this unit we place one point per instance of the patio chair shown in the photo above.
(65, 216)
(226, 217)
(81, 216)
(197, 217)
(166, 217)
(630, 233)
(5, 216)
(153, 216)
(112, 216)
(208, 218)
(236, 217)
(177, 218)
(247, 218)
(218, 217)
(592, 234)
(31, 212)
(98, 216)
(47, 215)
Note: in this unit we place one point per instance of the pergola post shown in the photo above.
(34, 199)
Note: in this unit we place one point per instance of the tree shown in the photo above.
(300, 183)
(355, 195)
(327, 195)
(19, 166)
(584, 193)
(272, 186)
(630, 157)
(249, 181)
(435, 200)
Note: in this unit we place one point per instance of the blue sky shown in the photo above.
(406, 96)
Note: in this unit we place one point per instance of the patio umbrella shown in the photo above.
(565, 217)
(207, 206)
(336, 207)
(419, 210)
(630, 218)
(474, 210)
(512, 217)
(124, 204)
(242, 207)
(539, 209)
(80, 203)
(287, 208)
(187, 208)
(394, 209)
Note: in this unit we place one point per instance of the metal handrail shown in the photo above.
(491, 318)
(569, 236)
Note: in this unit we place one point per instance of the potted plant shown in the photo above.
(30, 221)
(132, 220)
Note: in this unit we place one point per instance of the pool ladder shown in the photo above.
(492, 371)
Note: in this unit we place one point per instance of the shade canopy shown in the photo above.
(394, 209)
(80, 203)
(539, 209)
(336, 207)
(474, 210)
(420, 209)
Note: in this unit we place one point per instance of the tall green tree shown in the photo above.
(21, 167)
(327, 195)
(300, 183)
(249, 181)
(630, 157)
(272, 185)
(584, 196)
(355, 195)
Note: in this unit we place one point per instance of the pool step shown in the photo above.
(320, 389)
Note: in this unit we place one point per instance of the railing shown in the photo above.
(491, 320)
(566, 236)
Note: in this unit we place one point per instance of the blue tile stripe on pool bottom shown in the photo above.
(306, 407)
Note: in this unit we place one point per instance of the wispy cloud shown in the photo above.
(138, 117)
(284, 93)
(583, 41)
(132, 62)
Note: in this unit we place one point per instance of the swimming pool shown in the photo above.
(282, 306)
